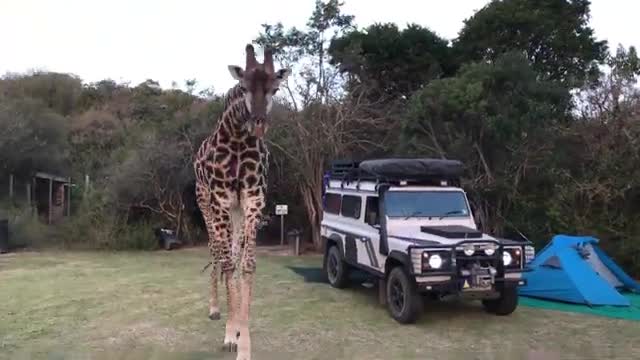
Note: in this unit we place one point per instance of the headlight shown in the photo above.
(468, 249)
(490, 249)
(506, 258)
(435, 261)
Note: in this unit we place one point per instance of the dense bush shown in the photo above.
(24, 229)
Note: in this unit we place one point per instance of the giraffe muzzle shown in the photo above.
(259, 130)
(257, 127)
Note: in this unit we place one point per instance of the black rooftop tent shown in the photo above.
(392, 170)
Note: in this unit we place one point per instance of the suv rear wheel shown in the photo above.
(505, 304)
(337, 270)
(403, 300)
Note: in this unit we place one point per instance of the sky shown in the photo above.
(175, 40)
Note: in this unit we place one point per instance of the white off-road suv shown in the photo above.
(408, 223)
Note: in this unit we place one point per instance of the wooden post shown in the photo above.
(50, 200)
(34, 209)
(29, 196)
(281, 230)
(10, 186)
(69, 198)
(179, 228)
(86, 184)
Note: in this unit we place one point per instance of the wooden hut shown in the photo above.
(51, 196)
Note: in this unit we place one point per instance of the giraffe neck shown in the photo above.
(234, 113)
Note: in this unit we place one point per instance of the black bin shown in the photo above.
(4, 236)
(167, 239)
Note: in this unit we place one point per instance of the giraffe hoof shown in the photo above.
(230, 347)
(214, 316)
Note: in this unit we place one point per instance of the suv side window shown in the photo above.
(371, 211)
(351, 206)
(332, 203)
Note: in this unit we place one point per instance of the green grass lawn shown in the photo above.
(60, 305)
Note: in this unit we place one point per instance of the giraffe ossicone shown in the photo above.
(231, 169)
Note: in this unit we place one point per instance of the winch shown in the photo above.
(478, 277)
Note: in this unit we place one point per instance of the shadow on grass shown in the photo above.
(435, 311)
(309, 274)
(313, 274)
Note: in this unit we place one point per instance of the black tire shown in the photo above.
(505, 304)
(336, 269)
(404, 303)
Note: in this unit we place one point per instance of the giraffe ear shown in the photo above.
(236, 72)
(283, 74)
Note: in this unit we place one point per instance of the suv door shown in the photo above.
(370, 235)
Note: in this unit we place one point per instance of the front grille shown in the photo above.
(483, 260)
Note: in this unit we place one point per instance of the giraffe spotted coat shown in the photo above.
(231, 182)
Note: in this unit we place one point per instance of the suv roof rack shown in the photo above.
(405, 171)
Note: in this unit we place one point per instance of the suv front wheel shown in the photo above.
(403, 300)
(505, 304)
(337, 270)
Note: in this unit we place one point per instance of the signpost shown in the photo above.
(282, 210)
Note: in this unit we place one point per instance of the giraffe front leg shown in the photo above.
(227, 264)
(231, 328)
(214, 308)
(248, 266)
(224, 260)
(203, 198)
(244, 340)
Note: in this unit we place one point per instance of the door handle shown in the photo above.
(363, 239)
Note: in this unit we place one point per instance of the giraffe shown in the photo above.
(230, 169)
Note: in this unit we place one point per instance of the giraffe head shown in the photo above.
(259, 83)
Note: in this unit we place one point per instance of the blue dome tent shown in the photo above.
(574, 269)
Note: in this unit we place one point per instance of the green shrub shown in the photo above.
(24, 228)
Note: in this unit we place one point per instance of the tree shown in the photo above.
(595, 167)
(307, 141)
(553, 34)
(390, 63)
(496, 118)
(32, 138)
(155, 170)
(614, 95)
(57, 91)
(308, 49)
(314, 102)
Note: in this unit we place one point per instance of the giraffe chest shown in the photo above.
(239, 163)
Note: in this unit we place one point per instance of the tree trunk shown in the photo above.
(314, 214)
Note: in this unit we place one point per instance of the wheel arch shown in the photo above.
(332, 240)
(396, 258)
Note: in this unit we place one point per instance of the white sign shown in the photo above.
(282, 209)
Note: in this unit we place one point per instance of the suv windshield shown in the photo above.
(426, 204)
